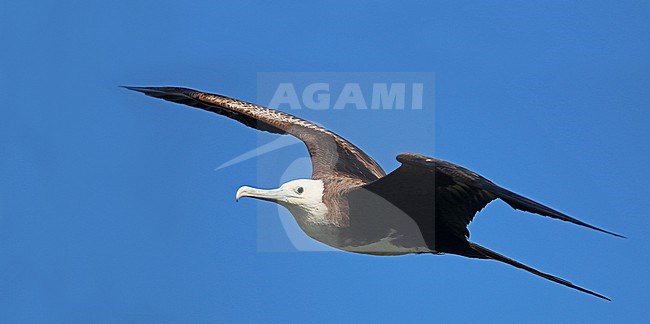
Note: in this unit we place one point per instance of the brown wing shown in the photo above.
(458, 193)
(329, 152)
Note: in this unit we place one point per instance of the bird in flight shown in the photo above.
(351, 204)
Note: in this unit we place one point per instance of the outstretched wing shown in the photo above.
(458, 193)
(451, 196)
(329, 152)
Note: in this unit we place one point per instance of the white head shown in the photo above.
(302, 197)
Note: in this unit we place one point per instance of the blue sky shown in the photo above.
(111, 210)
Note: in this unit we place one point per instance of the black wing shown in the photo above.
(329, 152)
(460, 193)
(451, 196)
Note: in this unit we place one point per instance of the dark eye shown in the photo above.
(300, 190)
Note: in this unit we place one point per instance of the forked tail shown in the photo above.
(496, 256)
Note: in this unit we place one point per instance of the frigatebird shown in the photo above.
(351, 204)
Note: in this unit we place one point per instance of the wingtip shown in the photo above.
(597, 295)
(618, 235)
(133, 88)
(158, 91)
(607, 232)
